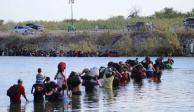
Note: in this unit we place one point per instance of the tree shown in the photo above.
(1, 22)
(134, 12)
(192, 12)
(10, 25)
(168, 13)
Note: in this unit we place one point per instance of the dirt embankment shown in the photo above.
(125, 43)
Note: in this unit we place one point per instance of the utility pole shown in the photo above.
(72, 1)
(71, 27)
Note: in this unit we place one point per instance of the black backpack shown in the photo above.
(13, 91)
(74, 81)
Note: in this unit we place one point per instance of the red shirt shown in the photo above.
(21, 91)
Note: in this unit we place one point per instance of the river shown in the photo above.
(173, 94)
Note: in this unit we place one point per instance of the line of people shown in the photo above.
(112, 76)
(56, 53)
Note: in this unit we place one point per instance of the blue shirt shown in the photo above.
(39, 78)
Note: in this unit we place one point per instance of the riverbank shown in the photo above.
(118, 42)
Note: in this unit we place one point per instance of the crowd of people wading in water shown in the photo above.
(56, 53)
(110, 77)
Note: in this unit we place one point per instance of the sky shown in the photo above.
(57, 10)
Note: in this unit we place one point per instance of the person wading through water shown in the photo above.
(15, 92)
(61, 79)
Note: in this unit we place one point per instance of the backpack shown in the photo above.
(108, 72)
(74, 80)
(94, 72)
(13, 91)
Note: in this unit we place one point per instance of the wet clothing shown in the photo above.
(76, 93)
(108, 81)
(157, 75)
(89, 82)
(16, 98)
(38, 92)
(90, 86)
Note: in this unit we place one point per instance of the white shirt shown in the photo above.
(60, 80)
(150, 67)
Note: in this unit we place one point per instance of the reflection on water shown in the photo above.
(17, 107)
(109, 93)
(73, 104)
(76, 102)
(91, 100)
(138, 85)
(56, 106)
(39, 107)
(173, 94)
